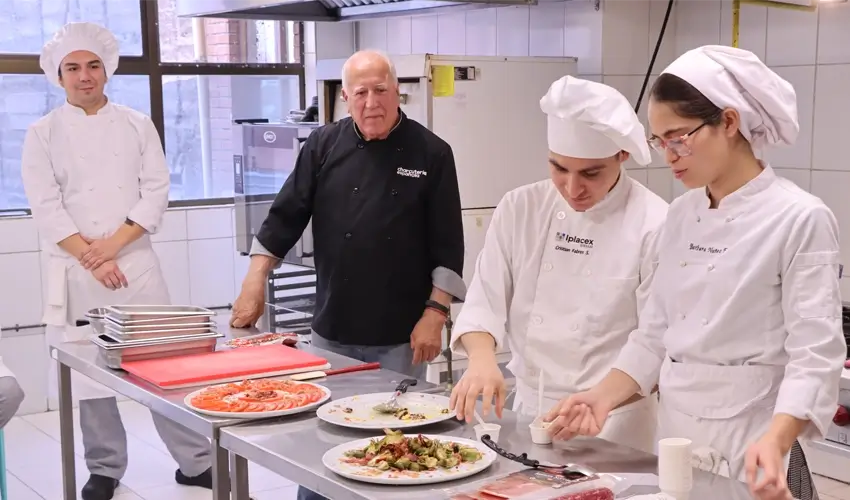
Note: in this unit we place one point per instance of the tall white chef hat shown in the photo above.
(737, 79)
(591, 120)
(79, 36)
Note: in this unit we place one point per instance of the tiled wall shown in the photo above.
(614, 45)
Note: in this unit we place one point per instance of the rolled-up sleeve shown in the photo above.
(154, 181)
(292, 208)
(644, 352)
(43, 191)
(445, 226)
(811, 305)
(489, 297)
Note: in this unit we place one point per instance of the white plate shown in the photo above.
(259, 414)
(333, 460)
(362, 416)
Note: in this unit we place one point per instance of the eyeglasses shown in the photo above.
(676, 145)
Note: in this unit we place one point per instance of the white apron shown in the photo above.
(584, 306)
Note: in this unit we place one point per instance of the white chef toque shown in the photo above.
(79, 36)
(737, 79)
(591, 120)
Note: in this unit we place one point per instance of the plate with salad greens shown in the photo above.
(408, 459)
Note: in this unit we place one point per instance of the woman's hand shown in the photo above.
(582, 414)
(767, 454)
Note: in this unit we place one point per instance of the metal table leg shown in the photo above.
(239, 469)
(66, 432)
(220, 470)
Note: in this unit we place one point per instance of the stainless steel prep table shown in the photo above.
(83, 357)
(294, 450)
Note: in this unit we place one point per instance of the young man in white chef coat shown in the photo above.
(97, 182)
(566, 266)
(742, 331)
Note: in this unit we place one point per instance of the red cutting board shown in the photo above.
(224, 366)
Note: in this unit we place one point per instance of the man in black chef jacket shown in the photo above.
(382, 191)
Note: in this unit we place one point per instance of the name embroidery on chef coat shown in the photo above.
(411, 173)
(577, 245)
(693, 247)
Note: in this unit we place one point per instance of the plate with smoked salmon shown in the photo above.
(258, 398)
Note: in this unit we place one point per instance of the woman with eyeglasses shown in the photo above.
(742, 330)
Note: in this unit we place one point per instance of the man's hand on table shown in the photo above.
(482, 377)
(427, 337)
(248, 307)
(581, 414)
(110, 276)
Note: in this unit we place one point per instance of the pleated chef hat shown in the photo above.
(79, 36)
(737, 79)
(591, 120)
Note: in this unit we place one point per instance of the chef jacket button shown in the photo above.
(399, 149)
(698, 219)
(395, 193)
(547, 266)
(711, 267)
(356, 190)
(348, 236)
(704, 321)
(728, 219)
(537, 320)
(389, 237)
(682, 317)
(82, 157)
(360, 145)
(683, 263)
(561, 215)
(587, 273)
(575, 328)
(115, 153)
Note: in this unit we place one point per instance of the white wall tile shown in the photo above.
(425, 33)
(800, 177)
(211, 271)
(512, 31)
(697, 24)
(21, 290)
(206, 223)
(174, 260)
(18, 235)
(546, 30)
(834, 33)
(640, 175)
(584, 36)
(335, 40)
(799, 155)
(660, 181)
(831, 187)
(625, 37)
(372, 35)
(451, 34)
(481, 32)
(832, 107)
(792, 37)
(399, 35)
(667, 50)
(752, 30)
(173, 227)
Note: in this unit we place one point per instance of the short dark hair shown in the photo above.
(687, 101)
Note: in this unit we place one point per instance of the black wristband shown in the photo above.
(433, 304)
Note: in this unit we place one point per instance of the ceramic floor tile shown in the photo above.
(18, 490)
(147, 467)
(842, 493)
(176, 492)
(826, 485)
(287, 493)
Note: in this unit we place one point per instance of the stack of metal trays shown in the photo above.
(129, 333)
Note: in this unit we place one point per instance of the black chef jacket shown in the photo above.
(386, 213)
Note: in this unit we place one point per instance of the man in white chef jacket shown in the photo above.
(97, 182)
(566, 266)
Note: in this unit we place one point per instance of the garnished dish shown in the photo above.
(415, 410)
(417, 453)
(289, 339)
(397, 458)
(257, 398)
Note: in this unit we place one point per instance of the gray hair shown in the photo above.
(374, 53)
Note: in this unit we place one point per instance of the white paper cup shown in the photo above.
(540, 431)
(675, 475)
(491, 429)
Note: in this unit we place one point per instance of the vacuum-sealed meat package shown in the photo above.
(537, 484)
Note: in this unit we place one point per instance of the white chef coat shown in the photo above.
(563, 288)
(88, 174)
(746, 301)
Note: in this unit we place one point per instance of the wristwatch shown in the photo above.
(433, 304)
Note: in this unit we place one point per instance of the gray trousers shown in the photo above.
(105, 440)
(11, 397)
(398, 358)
